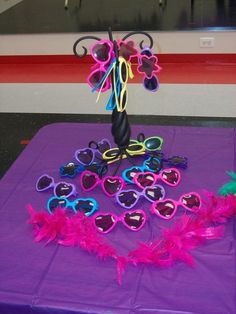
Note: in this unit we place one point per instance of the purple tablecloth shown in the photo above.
(35, 278)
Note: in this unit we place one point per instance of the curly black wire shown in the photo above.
(84, 48)
(141, 43)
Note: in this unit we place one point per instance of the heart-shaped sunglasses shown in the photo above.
(167, 208)
(152, 164)
(86, 156)
(133, 220)
(110, 184)
(129, 198)
(60, 189)
(85, 205)
(170, 176)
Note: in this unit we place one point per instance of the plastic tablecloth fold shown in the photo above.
(35, 278)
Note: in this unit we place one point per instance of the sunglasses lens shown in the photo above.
(85, 156)
(155, 193)
(63, 190)
(134, 220)
(96, 77)
(88, 181)
(44, 183)
(153, 164)
(145, 180)
(153, 143)
(123, 100)
(103, 146)
(151, 84)
(104, 223)
(112, 185)
(128, 198)
(165, 209)
(101, 52)
(146, 52)
(56, 203)
(178, 161)
(191, 201)
(131, 173)
(111, 153)
(85, 206)
(123, 71)
(135, 147)
(170, 176)
(69, 170)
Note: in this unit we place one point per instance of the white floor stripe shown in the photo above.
(211, 100)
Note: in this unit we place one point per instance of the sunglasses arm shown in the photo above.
(141, 43)
(84, 48)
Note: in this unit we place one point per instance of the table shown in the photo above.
(35, 278)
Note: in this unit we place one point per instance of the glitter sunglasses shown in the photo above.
(166, 208)
(134, 220)
(110, 184)
(71, 169)
(170, 176)
(129, 198)
(86, 156)
(84, 205)
(60, 189)
(152, 143)
(152, 164)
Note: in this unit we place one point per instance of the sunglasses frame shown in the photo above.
(120, 218)
(140, 151)
(157, 177)
(139, 194)
(100, 181)
(111, 52)
(55, 185)
(176, 204)
(141, 168)
(144, 141)
(72, 204)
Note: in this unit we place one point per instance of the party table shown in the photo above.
(39, 278)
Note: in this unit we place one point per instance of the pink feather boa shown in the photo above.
(175, 244)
